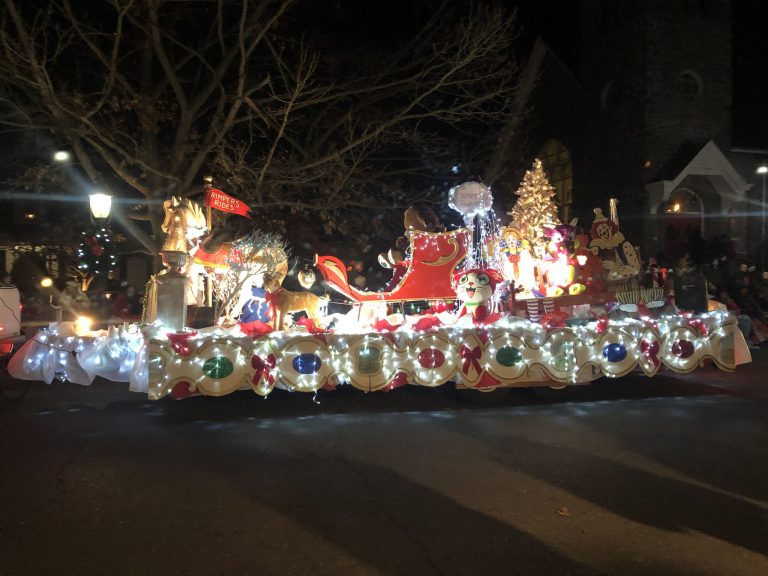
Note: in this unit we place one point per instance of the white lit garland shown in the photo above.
(56, 353)
(511, 352)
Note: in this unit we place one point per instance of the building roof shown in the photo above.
(711, 163)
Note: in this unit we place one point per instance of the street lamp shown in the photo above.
(101, 204)
(762, 170)
(61, 156)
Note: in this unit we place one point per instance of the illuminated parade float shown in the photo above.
(530, 303)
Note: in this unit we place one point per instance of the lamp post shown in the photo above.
(101, 205)
(762, 170)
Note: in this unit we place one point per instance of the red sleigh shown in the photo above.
(434, 258)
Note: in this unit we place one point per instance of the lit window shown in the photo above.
(684, 201)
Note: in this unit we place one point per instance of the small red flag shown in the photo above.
(218, 200)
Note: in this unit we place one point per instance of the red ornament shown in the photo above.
(683, 348)
(97, 250)
(431, 358)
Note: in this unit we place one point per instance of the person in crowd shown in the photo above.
(73, 300)
(743, 320)
(761, 290)
(127, 304)
(99, 302)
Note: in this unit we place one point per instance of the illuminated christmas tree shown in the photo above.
(535, 206)
(95, 257)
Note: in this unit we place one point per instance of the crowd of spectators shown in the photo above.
(743, 289)
(41, 305)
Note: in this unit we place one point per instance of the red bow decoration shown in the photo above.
(426, 323)
(602, 324)
(553, 320)
(471, 358)
(273, 300)
(650, 350)
(255, 329)
(698, 325)
(311, 325)
(384, 326)
(263, 367)
(180, 341)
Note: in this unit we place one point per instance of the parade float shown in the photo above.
(533, 302)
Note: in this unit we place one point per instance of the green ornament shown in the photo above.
(509, 356)
(218, 367)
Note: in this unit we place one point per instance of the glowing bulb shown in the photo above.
(82, 325)
(61, 156)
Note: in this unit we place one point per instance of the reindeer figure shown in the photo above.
(287, 302)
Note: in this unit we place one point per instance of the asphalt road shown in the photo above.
(655, 476)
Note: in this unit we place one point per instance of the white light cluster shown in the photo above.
(370, 361)
(57, 353)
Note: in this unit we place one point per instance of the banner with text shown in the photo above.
(218, 200)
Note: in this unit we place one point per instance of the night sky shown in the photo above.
(750, 74)
(556, 21)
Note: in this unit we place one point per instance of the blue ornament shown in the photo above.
(615, 352)
(307, 363)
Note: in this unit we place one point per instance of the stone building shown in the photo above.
(645, 115)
